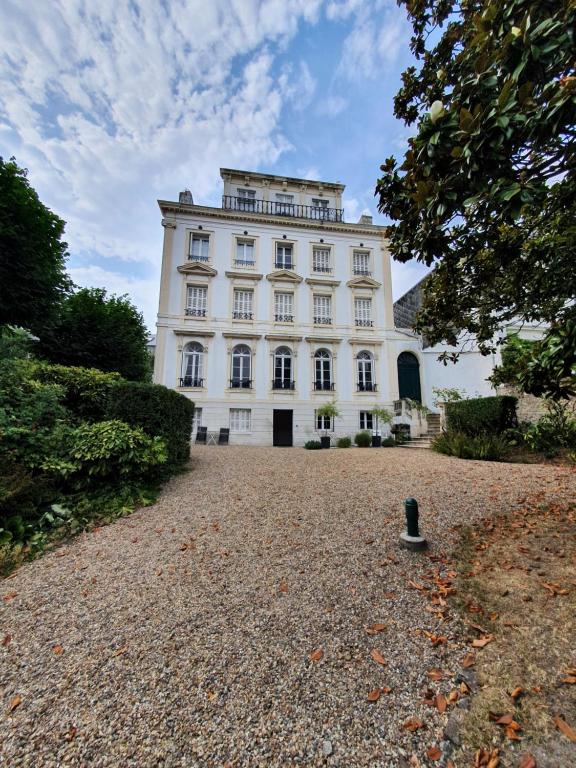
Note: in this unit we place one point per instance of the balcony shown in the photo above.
(322, 320)
(361, 271)
(284, 318)
(241, 315)
(271, 207)
(364, 323)
(320, 269)
(194, 257)
(194, 312)
(244, 263)
(191, 381)
(283, 384)
(366, 386)
(324, 386)
(240, 383)
(284, 264)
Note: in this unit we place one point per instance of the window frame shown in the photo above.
(203, 237)
(196, 308)
(366, 416)
(284, 245)
(241, 414)
(362, 272)
(327, 269)
(242, 310)
(323, 370)
(318, 317)
(192, 360)
(283, 316)
(241, 360)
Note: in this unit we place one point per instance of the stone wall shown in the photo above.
(530, 408)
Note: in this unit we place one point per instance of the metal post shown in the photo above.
(410, 538)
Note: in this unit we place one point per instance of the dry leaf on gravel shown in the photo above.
(412, 724)
(14, 703)
(527, 761)
(375, 628)
(374, 695)
(377, 656)
(440, 703)
(9, 596)
(481, 642)
(516, 693)
(435, 674)
(7, 640)
(121, 651)
(433, 753)
(283, 586)
(58, 649)
(485, 758)
(564, 728)
(317, 654)
(469, 660)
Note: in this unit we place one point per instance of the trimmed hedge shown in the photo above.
(343, 442)
(159, 411)
(313, 445)
(363, 439)
(482, 415)
(86, 390)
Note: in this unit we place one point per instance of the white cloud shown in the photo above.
(332, 106)
(341, 9)
(297, 85)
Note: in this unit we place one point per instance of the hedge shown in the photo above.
(482, 415)
(159, 411)
(86, 390)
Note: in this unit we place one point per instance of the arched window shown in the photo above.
(323, 370)
(282, 369)
(409, 377)
(365, 365)
(241, 367)
(192, 365)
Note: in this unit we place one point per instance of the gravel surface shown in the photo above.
(182, 635)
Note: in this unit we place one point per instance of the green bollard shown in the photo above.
(410, 538)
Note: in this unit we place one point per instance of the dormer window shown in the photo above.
(199, 247)
(285, 204)
(320, 208)
(246, 199)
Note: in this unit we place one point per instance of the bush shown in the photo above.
(159, 411)
(482, 415)
(86, 390)
(313, 445)
(388, 442)
(482, 447)
(343, 442)
(363, 439)
(555, 430)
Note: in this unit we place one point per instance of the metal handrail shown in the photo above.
(276, 208)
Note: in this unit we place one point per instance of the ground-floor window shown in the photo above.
(323, 422)
(196, 419)
(366, 420)
(240, 419)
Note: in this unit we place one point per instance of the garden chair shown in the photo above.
(224, 436)
(201, 435)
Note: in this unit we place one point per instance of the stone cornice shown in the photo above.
(284, 276)
(322, 281)
(197, 268)
(228, 173)
(282, 337)
(363, 282)
(368, 342)
(192, 332)
(323, 339)
(370, 230)
(241, 335)
(244, 275)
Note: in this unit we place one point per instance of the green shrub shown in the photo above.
(482, 415)
(343, 442)
(313, 445)
(553, 431)
(388, 442)
(483, 447)
(159, 411)
(363, 439)
(86, 390)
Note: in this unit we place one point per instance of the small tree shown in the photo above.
(381, 415)
(328, 411)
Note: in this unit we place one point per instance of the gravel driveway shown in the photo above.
(182, 635)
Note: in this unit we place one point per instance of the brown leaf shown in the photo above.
(527, 761)
(481, 642)
(412, 724)
(9, 596)
(120, 651)
(469, 660)
(435, 674)
(14, 703)
(374, 695)
(7, 640)
(516, 693)
(570, 680)
(377, 656)
(386, 690)
(375, 628)
(486, 759)
(511, 733)
(440, 702)
(283, 586)
(453, 696)
(416, 585)
(57, 649)
(317, 654)
(564, 728)
(70, 733)
(433, 753)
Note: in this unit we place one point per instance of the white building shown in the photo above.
(272, 305)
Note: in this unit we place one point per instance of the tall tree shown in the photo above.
(97, 331)
(33, 280)
(487, 189)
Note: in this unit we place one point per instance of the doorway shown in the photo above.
(409, 377)
(282, 428)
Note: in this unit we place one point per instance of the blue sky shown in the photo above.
(114, 104)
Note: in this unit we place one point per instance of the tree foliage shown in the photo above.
(97, 331)
(33, 279)
(487, 189)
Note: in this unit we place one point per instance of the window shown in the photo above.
(365, 372)
(322, 310)
(361, 263)
(192, 365)
(366, 420)
(320, 208)
(240, 419)
(321, 260)
(246, 200)
(285, 204)
(241, 367)
(196, 301)
(196, 419)
(282, 369)
(242, 304)
(283, 307)
(363, 312)
(284, 258)
(199, 247)
(323, 370)
(323, 422)
(244, 253)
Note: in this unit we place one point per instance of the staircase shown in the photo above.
(424, 441)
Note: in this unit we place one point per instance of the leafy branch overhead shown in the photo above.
(486, 191)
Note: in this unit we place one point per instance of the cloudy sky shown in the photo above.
(116, 103)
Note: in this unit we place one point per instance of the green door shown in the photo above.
(409, 377)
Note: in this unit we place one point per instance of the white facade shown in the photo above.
(274, 303)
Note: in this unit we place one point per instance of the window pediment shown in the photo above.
(197, 268)
(284, 276)
(322, 281)
(363, 282)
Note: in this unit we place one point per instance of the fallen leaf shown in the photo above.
(283, 586)
(7, 640)
(9, 596)
(14, 703)
(440, 702)
(412, 724)
(564, 728)
(375, 628)
(317, 654)
(433, 753)
(486, 759)
(435, 674)
(120, 651)
(527, 761)
(416, 585)
(377, 656)
(516, 693)
(58, 649)
(374, 695)
(511, 733)
(570, 680)
(70, 733)
(481, 642)
(469, 660)
(453, 696)
(386, 690)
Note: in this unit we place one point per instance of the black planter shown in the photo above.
(325, 441)
(376, 441)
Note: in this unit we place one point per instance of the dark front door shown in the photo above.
(282, 427)
(409, 377)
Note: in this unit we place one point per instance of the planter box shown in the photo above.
(325, 441)
(376, 441)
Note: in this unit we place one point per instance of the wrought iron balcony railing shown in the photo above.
(193, 257)
(284, 318)
(364, 323)
(195, 312)
(241, 315)
(322, 320)
(324, 385)
(321, 268)
(191, 381)
(244, 263)
(283, 384)
(241, 383)
(285, 264)
(274, 208)
(363, 272)
(367, 386)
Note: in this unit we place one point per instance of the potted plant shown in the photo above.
(381, 416)
(327, 411)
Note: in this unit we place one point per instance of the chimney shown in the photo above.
(186, 197)
(365, 219)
